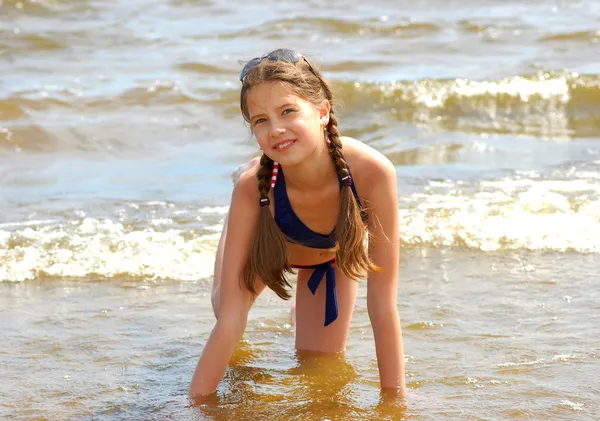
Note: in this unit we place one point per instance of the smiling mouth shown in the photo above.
(284, 145)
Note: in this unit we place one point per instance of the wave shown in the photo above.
(14, 43)
(164, 241)
(44, 7)
(142, 93)
(301, 25)
(547, 105)
(585, 36)
(544, 104)
(27, 5)
(200, 68)
(508, 214)
(95, 248)
(477, 27)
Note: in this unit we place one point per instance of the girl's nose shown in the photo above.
(277, 131)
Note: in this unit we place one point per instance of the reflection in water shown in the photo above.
(322, 387)
(316, 386)
(390, 407)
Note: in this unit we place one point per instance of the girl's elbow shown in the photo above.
(382, 313)
(231, 325)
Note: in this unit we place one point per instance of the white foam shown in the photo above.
(506, 214)
(221, 210)
(576, 406)
(105, 248)
(565, 357)
(27, 223)
(435, 94)
(161, 221)
(520, 364)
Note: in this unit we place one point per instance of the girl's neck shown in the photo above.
(311, 173)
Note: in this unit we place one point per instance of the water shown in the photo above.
(119, 130)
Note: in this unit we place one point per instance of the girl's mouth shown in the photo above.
(284, 145)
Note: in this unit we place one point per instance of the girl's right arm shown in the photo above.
(235, 300)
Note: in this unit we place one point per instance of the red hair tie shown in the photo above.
(274, 174)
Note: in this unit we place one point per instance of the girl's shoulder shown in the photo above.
(367, 164)
(245, 181)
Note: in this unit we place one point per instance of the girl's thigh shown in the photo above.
(311, 334)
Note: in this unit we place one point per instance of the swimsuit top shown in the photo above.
(293, 228)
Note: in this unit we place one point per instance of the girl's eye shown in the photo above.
(258, 121)
(287, 111)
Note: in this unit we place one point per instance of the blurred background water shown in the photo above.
(120, 127)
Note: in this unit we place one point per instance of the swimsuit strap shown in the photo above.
(331, 302)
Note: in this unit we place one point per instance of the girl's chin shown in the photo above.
(288, 161)
(287, 158)
(293, 156)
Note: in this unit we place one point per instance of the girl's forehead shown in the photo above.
(271, 95)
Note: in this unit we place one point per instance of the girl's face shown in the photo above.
(287, 128)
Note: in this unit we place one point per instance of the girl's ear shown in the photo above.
(324, 110)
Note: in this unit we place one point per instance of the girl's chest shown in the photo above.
(319, 212)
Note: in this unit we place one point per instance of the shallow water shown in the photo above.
(119, 129)
(488, 336)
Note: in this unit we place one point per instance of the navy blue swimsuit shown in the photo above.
(297, 232)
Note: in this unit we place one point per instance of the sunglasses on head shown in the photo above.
(281, 54)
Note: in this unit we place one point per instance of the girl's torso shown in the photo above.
(318, 212)
(312, 215)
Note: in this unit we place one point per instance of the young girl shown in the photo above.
(301, 207)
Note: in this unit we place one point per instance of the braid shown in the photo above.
(350, 230)
(335, 146)
(332, 133)
(268, 258)
(264, 176)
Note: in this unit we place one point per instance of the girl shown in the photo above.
(300, 207)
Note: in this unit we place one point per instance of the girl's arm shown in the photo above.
(382, 286)
(235, 300)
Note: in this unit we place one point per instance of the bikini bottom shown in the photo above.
(328, 271)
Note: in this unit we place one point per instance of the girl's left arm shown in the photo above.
(382, 286)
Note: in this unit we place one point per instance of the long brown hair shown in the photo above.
(268, 258)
